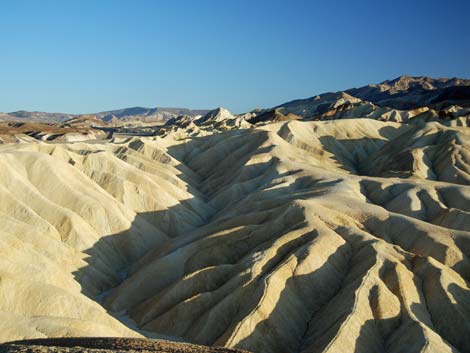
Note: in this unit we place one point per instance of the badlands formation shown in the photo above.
(292, 233)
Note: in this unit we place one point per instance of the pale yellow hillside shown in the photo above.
(339, 236)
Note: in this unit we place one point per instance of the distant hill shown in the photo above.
(40, 117)
(126, 114)
(398, 100)
(406, 92)
(148, 114)
(405, 99)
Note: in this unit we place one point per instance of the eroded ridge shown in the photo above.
(348, 236)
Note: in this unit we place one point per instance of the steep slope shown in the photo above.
(216, 120)
(221, 119)
(58, 202)
(318, 105)
(405, 99)
(406, 92)
(290, 237)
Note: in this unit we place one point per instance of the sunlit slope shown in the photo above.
(339, 236)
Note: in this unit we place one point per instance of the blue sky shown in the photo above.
(93, 55)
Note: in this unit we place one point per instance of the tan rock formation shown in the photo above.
(338, 236)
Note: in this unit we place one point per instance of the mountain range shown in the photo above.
(127, 114)
(413, 100)
(392, 97)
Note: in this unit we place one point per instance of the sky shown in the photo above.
(84, 56)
